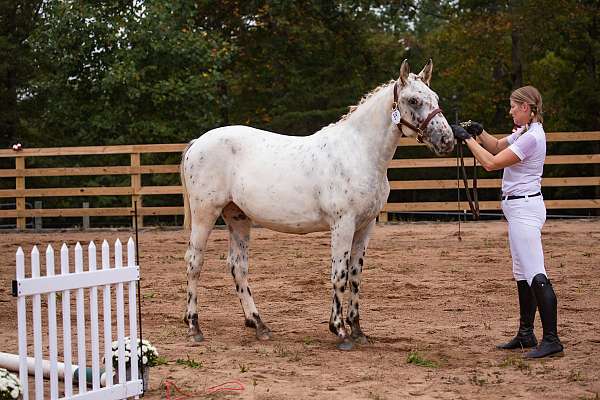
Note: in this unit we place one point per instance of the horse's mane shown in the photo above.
(365, 98)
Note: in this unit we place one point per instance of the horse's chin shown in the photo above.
(441, 151)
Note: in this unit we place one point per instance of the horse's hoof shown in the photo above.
(196, 335)
(264, 335)
(345, 345)
(196, 339)
(360, 339)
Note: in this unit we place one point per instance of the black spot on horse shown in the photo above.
(354, 287)
(360, 262)
(237, 287)
(337, 303)
(353, 271)
(249, 292)
(250, 323)
(257, 318)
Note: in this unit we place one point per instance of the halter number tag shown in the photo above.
(396, 117)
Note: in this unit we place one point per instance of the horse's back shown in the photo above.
(271, 177)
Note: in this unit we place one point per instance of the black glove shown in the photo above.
(474, 128)
(460, 133)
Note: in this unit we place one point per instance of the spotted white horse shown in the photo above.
(332, 180)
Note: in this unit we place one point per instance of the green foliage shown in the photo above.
(189, 362)
(114, 72)
(414, 357)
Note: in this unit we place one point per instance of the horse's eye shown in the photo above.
(413, 101)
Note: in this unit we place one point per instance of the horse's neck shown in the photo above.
(371, 125)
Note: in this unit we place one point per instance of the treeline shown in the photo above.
(162, 71)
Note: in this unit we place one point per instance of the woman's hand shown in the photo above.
(474, 128)
(460, 133)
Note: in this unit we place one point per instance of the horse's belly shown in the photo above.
(283, 211)
(295, 227)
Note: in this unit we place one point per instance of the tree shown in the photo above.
(17, 20)
(121, 72)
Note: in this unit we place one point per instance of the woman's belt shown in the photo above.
(521, 197)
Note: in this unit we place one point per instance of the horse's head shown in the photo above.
(420, 114)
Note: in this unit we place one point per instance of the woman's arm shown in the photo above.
(492, 144)
(493, 161)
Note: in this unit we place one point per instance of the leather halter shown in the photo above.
(420, 130)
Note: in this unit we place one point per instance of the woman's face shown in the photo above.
(521, 113)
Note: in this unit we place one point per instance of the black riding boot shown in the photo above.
(525, 337)
(546, 300)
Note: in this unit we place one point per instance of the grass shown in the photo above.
(475, 380)
(160, 360)
(516, 362)
(575, 376)
(280, 351)
(244, 368)
(308, 341)
(189, 362)
(414, 357)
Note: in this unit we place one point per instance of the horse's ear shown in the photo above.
(404, 71)
(425, 74)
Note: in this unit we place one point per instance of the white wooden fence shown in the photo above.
(61, 285)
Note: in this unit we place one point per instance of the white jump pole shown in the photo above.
(11, 363)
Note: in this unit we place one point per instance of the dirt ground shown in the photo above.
(424, 293)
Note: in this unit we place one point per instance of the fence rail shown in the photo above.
(136, 190)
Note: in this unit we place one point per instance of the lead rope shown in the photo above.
(458, 189)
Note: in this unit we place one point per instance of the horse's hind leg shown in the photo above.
(359, 246)
(202, 225)
(239, 239)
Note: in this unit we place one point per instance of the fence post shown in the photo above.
(136, 186)
(20, 200)
(38, 219)
(86, 218)
(383, 217)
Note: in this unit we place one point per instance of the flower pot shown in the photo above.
(145, 377)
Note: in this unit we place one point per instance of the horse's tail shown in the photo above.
(187, 221)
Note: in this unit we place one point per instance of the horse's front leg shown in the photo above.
(342, 233)
(359, 246)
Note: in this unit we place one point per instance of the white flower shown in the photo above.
(146, 352)
(9, 385)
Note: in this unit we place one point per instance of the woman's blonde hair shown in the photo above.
(531, 96)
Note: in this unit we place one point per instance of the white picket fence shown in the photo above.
(61, 285)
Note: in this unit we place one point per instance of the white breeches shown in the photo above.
(525, 220)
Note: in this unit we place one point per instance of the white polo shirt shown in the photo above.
(525, 177)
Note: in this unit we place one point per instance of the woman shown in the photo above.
(522, 155)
